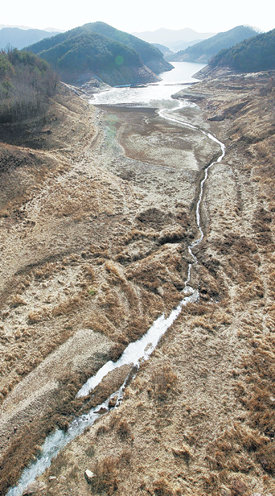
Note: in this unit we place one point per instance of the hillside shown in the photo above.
(150, 55)
(203, 51)
(20, 38)
(81, 54)
(26, 83)
(253, 55)
(164, 49)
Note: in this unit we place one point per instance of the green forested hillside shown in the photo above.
(253, 55)
(82, 53)
(202, 52)
(26, 82)
(150, 55)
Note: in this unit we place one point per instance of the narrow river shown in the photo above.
(158, 96)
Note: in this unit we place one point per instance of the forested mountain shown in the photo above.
(204, 50)
(26, 82)
(81, 54)
(253, 55)
(150, 55)
(20, 38)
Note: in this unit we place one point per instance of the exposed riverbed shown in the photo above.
(159, 96)
(96, 233)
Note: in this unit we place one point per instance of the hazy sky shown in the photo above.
(141, 15)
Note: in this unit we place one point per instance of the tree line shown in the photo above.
(26, 83)
(253, 55)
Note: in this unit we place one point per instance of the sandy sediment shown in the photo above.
(100, 248)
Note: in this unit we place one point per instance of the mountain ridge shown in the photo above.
(20, 38)
(204, 50)
(252, 55)
(174, 39)
(84, 52)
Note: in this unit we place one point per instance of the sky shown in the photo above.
(141, 15)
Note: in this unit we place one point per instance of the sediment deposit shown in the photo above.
(97, 211)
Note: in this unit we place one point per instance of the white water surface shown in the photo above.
(134, 354)
(153, 95)
(157, 96)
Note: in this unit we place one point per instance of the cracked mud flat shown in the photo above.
(94, 249)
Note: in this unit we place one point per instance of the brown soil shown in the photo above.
(96, 218)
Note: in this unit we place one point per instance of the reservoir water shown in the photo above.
(154, 95)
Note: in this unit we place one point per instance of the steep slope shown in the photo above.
(20, 38)
(80, 54)
(253, 55)
(150, 55)
(203, 51)
(26, 83)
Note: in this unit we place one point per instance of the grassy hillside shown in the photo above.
(26, 82)
(202, 52)
(20, 38)
(80, 54)
(151, 56)
(253, 55)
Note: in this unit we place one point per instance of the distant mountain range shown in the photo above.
(253, 55)
(202, 52)
(97, 50)
(174, 39)
(20, 38)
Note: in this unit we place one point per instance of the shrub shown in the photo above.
(106, 472)
(164, 382)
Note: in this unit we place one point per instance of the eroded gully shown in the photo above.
(135, 353)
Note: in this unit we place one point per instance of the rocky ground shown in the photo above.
(97, 210)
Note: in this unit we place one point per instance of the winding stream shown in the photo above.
(136, 352)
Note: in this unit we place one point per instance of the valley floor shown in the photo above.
(97, 211)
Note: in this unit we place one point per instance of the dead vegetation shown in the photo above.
(198, 419)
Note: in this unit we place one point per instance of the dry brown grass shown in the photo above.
(115, 270)
(248, 446)
(164, 383)
(89, 272)
(106, 476)
(38, 316)
(70, 305)
(162, 487)
(124, 431)
(17, 300)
